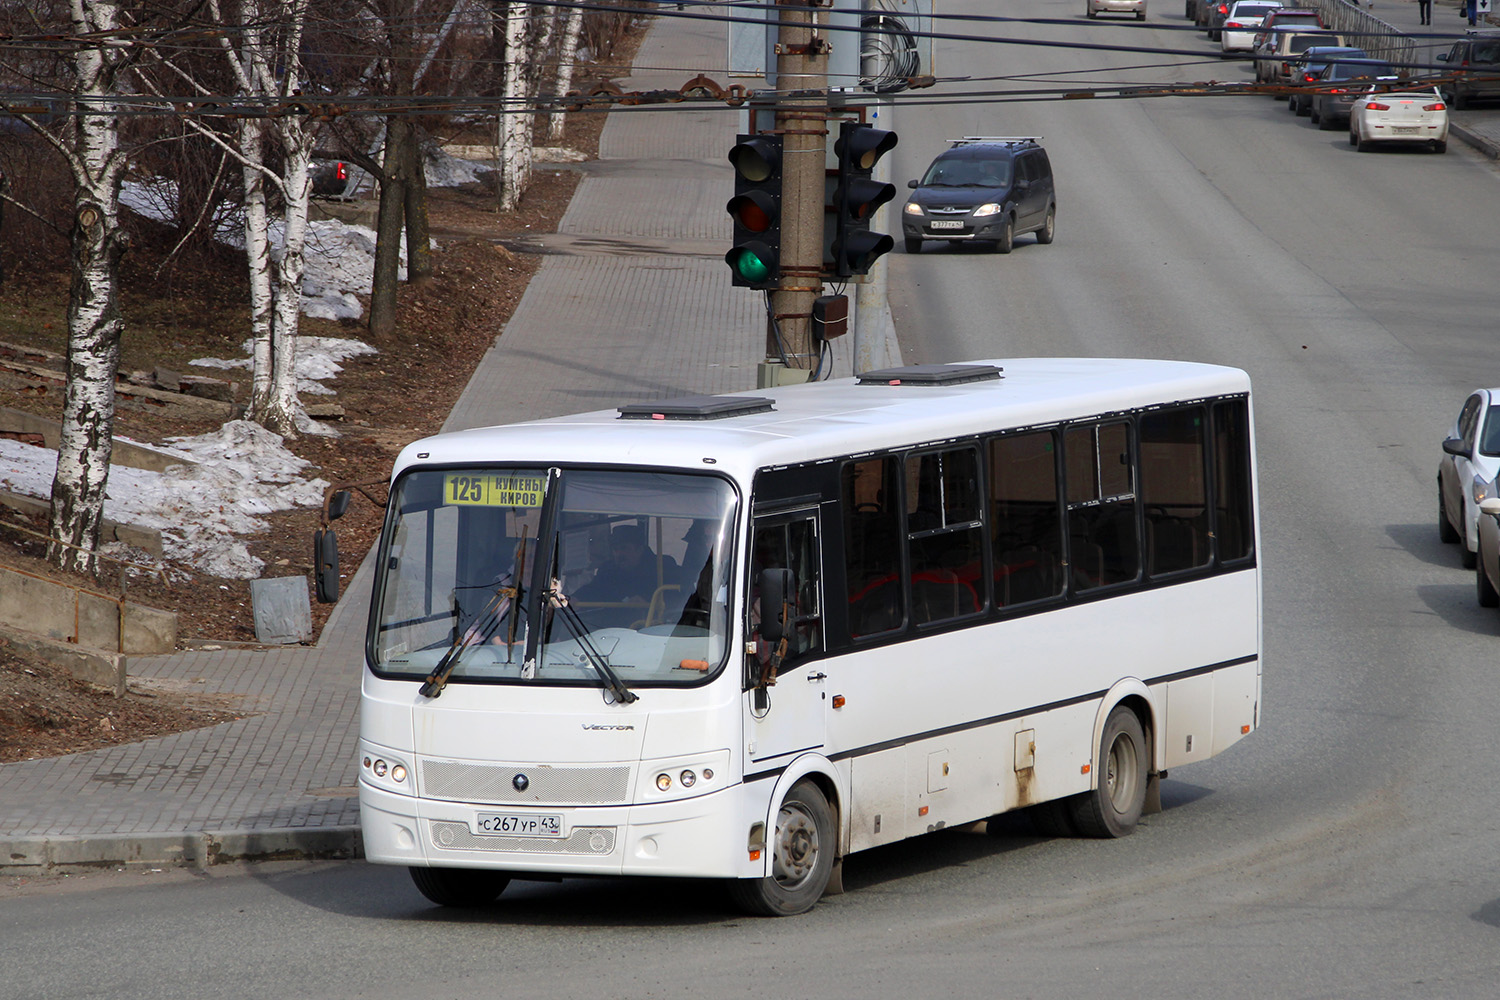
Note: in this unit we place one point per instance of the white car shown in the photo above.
(1404, 116)
(1093, 8)
(1466, 475)
(1242, 23)
(1487, 572)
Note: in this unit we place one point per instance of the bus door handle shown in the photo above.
(816, 676)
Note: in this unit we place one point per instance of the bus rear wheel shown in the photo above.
(460, 887)
(1113, 808)
(802, 850)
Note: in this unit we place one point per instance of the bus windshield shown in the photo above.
(625, 568)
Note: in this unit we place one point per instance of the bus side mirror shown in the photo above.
(1455, 446)
(326, 563)
(336, 504)
(776, 585)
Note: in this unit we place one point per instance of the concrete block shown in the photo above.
(283, 610)
(99, 667)
(148, 630)
(36, 605)
(98, 622)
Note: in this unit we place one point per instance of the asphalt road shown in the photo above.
(1346, 850)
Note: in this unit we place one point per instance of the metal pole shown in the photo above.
(801, 70)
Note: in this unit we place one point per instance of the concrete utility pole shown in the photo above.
(801, 67)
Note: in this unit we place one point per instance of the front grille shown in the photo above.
(587, 840)
(561, 786)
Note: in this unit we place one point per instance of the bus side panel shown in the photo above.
(1236, 695)
(877, 793)
(1190, 720)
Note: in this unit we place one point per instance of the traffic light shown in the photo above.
(755, 259)
(857, 196)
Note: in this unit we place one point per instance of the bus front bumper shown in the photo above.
(700, 837)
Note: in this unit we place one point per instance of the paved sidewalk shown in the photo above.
(632, 302)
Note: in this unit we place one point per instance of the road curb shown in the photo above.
(188, 850)
(1484, 144)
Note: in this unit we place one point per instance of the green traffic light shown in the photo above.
(749, 265)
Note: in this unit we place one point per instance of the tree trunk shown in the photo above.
(566, 56)
(418, 233)
(94, 319)
(280, 414)
(515, 142)
(388, 230)
(258, 257)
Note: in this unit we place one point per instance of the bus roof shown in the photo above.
(838, 417)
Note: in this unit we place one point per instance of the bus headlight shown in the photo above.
(683, 777)
(382, 769)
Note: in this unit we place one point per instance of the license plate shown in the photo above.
(1406, 129)
(519, 825)
(946, 224)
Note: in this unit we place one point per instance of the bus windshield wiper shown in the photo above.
(610, 680)
(507, 597)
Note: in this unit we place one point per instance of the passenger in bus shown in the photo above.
(630, 578)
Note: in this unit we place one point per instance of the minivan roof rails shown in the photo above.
(993, 138)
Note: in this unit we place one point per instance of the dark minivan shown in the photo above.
(983, 189)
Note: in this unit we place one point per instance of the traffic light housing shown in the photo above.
(856, 197)
(755, 258)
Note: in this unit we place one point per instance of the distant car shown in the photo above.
(1273, 58)
(1339, 86)
(1093, 8)
(330, 178)
(1466, 474)
(1306, 69)
(1290, 17)
(1474, 62)
(1218, 10)
(1237, 34)
(1400, 117)
(983, 189)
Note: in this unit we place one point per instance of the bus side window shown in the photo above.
(1234, 530)
(1025, 519)
(872, 549)
(1174, 489)
(1102, 545)
(944, 535)
(793, 545)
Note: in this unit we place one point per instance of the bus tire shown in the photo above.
(802, 851)
(1112, 809)
(460, 887)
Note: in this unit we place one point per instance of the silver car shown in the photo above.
(1093, 8)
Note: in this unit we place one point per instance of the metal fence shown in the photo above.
(1378, 38)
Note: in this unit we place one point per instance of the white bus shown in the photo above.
(743, 636)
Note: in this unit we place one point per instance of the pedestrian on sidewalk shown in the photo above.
(1424, 9)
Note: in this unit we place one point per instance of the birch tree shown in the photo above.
(266, 63)
(567, 57)
(90, 143)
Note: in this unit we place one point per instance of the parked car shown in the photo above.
(330, 178)
(1487, 559)
(1339, 86)
(1474, 62)
(1306, 69)
(1466, 474)
(1290, 17)
(1093, 8)
(1218, 10)
(1400, 117)
(1273, 57)
(1238, 31)
(983, 189)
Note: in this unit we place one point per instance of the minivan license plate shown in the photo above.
(519, 825)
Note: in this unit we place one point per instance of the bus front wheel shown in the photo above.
(461, 887)
(801, 857)
(1113, 808)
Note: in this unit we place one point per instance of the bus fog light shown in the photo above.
(708, 774)
(398, 773)
(379, 769)
(663, 782)
(688, 779)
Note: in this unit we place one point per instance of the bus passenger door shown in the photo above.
(786, 716)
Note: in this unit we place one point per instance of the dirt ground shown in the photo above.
(388, 399)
